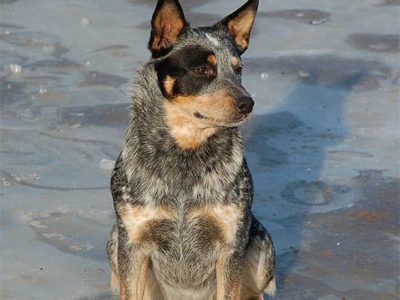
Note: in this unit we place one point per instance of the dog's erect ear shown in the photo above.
(240, 23)
(167, 24)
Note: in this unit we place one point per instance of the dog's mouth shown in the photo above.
(230, 123)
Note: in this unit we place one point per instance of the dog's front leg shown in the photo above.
(228, 275)
(133, 264)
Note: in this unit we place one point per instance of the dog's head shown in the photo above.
(199, 69)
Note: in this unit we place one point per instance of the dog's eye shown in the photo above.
(238, 69)
(203, 71)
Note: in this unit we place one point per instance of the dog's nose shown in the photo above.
(245, 105)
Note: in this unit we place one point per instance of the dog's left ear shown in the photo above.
(167, 24)
(240, 23)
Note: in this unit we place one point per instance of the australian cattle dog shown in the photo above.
(181, 186)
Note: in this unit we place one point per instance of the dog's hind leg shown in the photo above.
(112, 251)
(259, 265)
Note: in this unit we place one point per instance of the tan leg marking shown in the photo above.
(144, 286)
(137, 218)
(224, 287)
(138, 222)
(220, 278)
(141, 280)
(226, 217)
(153, 290)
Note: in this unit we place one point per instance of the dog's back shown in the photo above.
(181, 187)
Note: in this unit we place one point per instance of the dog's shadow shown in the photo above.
(286, 150)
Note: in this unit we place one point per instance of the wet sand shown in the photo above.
(323, 145)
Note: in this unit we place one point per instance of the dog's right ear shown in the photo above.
(167, 24)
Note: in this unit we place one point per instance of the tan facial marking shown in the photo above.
(235, 61)
(169, 85)
(190, 132)
(212, 59)
(137, 218)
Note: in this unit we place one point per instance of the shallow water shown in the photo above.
(323, 145)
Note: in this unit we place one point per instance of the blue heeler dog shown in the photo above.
(181, 187)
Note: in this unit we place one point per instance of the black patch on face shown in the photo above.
(190, 69)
